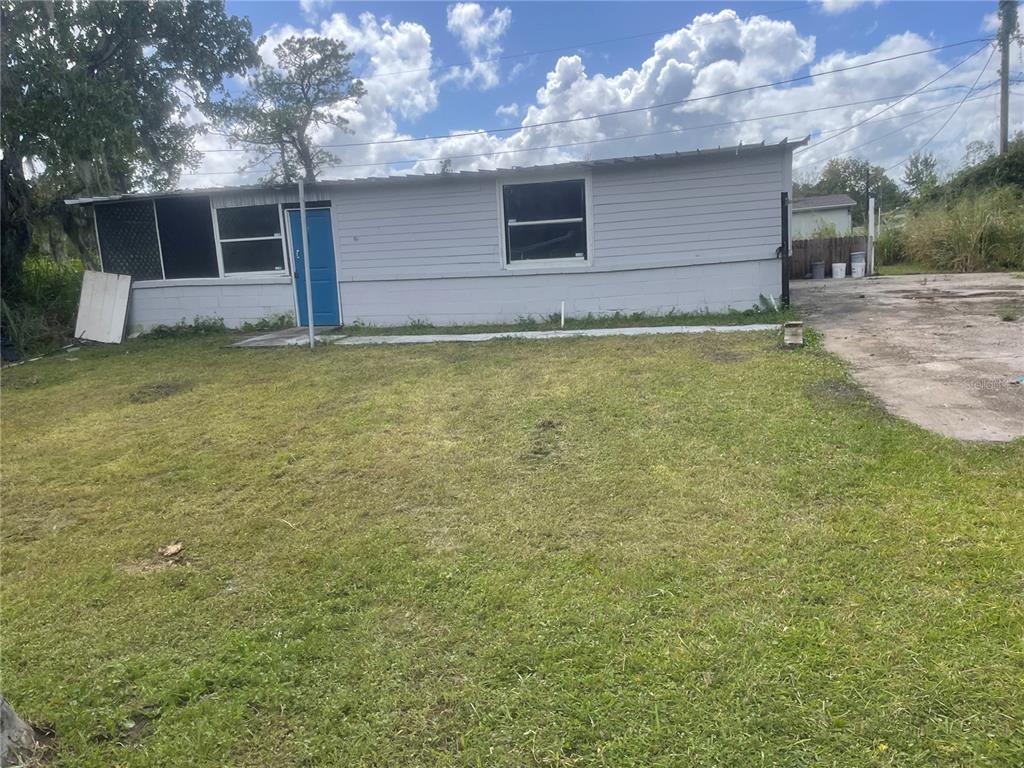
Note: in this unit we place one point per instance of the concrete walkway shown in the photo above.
(299, 337)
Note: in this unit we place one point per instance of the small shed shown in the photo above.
(685, 231)
(811, 214)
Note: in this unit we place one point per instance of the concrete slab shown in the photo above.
(932, 348)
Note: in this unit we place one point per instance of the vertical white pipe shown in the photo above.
(870, 255)
(563, 313)
(305, 253)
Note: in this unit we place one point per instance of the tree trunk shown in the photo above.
(17, 738)
(17, 224)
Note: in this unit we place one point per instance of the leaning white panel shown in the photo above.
(103, 307)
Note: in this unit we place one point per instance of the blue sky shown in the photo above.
(675, 51)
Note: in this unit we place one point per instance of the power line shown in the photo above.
(678, 102)
(901, 129)
(895, 103)
(951, 116)
(629, 136)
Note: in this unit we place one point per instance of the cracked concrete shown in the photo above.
(933, 349)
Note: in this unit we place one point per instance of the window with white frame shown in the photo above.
(545, 220)
(251, 239)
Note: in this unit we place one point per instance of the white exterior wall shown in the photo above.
(234, 300)
(805, 222)
(690, 234)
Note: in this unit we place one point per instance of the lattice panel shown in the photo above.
(128, 242)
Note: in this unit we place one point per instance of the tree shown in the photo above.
(285, 103)
(854, 177)
(920, 174)
(977, 152)
(93, 99)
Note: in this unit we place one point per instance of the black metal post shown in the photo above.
(784, 249)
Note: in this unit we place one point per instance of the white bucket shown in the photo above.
(838, 269)
(857, 269)
(856, 256)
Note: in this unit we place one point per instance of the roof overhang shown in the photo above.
(413, 178)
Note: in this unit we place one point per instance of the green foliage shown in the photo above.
(41, 314)
(996, 171)
(272, 323)
(200, 326)
(91, 90)
(978, 231)
(284, 103)
(847, 175)
(824, 229)
(921, 173)
(91, 96)
(624, 552)
(890, 247)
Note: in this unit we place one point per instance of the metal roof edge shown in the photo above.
(738, 149)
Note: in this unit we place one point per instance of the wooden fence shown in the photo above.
(826, 249)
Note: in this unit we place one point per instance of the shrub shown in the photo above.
(824, 229)
(976, 232)
(890, 247)
(200, 326)
(40, 315)
(271, 323)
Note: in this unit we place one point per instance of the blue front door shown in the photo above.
(323, 275)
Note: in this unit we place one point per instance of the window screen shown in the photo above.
(186, 237)
(252, 255)
(251, 221)
(250, 239)
(545, 220)
(128, 242)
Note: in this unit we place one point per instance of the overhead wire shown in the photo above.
(630, 136)
(951, 115)
(633, 110)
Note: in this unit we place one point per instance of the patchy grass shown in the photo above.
(905, 268)
(620, 551)
(553, 323)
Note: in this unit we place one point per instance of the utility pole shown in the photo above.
(867, 194)
(1007, 29)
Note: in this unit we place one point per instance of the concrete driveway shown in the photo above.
(933, 349)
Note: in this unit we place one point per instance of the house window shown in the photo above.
(250, 239)
(544, 221)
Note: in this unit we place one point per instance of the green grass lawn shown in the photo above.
(654, 551)
(905, 268)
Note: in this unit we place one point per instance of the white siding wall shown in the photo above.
(692, 234)
(805, 222)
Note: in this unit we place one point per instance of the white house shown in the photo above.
(687, 231)
(812, 213)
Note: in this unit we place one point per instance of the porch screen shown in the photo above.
(128, 241)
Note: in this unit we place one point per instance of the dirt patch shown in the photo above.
(158, 391)
(139, 567)
(834, 390)
(546, 440)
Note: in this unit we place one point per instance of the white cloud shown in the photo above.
(480, 37)
(714, 53)
(842, 6)
(508, 112)
(990, 22)
(312, 9)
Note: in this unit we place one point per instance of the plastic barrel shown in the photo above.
(818, 270)
(838, 269)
